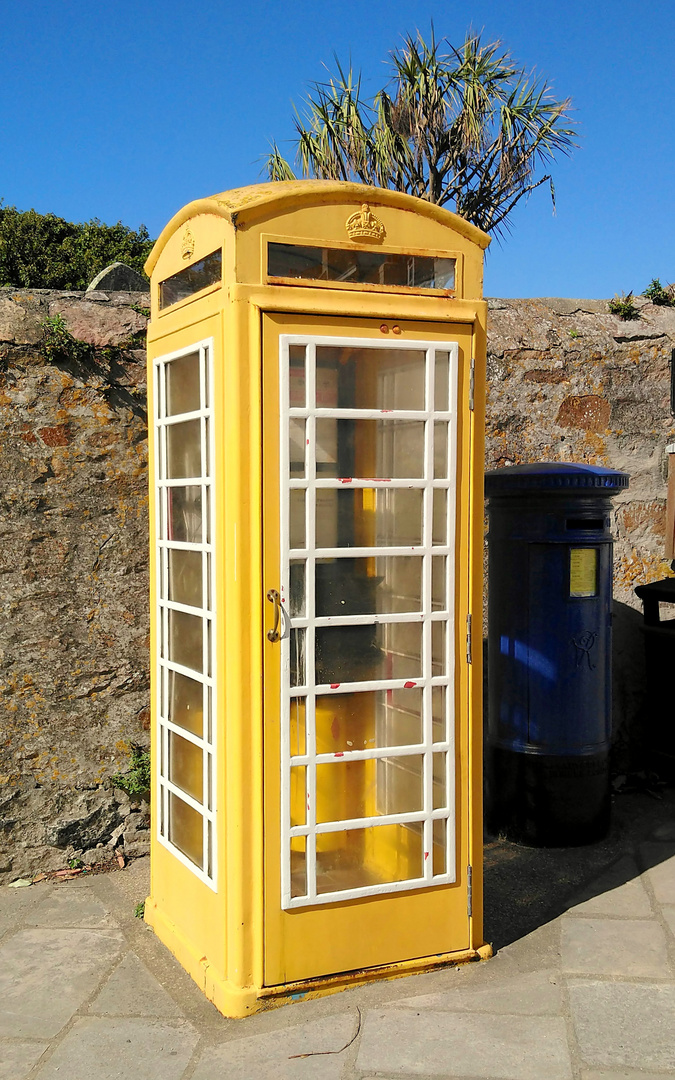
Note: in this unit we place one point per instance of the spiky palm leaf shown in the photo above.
(466, 128)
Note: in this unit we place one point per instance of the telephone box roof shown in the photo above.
(246, 204)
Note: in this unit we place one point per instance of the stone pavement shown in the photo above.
(582, 986)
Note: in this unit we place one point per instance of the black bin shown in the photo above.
(660, 674)
(549, 651)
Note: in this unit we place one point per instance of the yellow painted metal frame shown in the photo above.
(218, 936)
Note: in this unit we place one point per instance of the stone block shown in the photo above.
(661, 874)
(626, 1025)
(122, 1049)
(69, 906)
(99, 324)
(20, 318)
(400, 1042)
(619, 892)
(132, 990)
(18, 1057)
(623, 947)
(118, 278)
(534, 993)
(46, 975)
(588, 413)
(272, 1054)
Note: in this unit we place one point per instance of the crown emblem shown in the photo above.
(363, 225)
(187, 247)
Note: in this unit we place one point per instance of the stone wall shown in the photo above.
(567, 381)
(73, 574)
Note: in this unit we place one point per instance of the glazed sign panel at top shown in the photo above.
(362, 739)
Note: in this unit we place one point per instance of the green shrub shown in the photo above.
(658, 295)
(43, 251)
(623, 306)
(136, 780)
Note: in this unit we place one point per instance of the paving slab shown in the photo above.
(14, 906)
(661, 875)
(64, 906)
(535, 993)
(272, 1055)
(619, 893)
(46, 975)
(17, 1057)
(122, 1049)
(401, 1042)
(668, 911)
(624, 947)
(624, 1024)
(132, 990)
(620, 1074)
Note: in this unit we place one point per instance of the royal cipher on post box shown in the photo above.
(316, 385)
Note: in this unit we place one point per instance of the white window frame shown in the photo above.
(207, 612)
(427, 747)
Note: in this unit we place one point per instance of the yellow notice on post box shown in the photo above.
(583, 571)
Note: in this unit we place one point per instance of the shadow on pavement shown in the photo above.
(526, 887)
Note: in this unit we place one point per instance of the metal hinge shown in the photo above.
(468, 640)
(469, 890)
(472, 382)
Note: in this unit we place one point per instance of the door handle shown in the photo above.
(274, 598)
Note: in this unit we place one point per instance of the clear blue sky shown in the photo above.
(127, 111)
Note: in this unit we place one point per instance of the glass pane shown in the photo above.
(296, 376)
(374, 517)
(186, 702)
(440, 451)
(440, 846)
(384, 585)
(440, 512)
(363, 721)
(297, 518)
(182, 385)
(185, 577)
(191, 280)
(358, 789)
(360, 267)
(438, 654)
(359, 653)
(184, 449)
(297, 646)
(400, 784)
(296, 600)
(186, 829)
(296, 449)
(438, 583)
(186, 637)
(298, 795)
(186, 767)
(439, 786)
(442, 382)
(357, 858)
(326, 518)
(438, 712)
(371, 449)
(298, 866)
(369, 378)
(297, 727)
(184, 512)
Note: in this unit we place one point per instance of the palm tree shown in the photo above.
(465, 127)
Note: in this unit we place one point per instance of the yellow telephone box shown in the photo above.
(316, 375)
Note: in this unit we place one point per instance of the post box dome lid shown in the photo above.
(554, 476)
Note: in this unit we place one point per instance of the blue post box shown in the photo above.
(549, 651)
